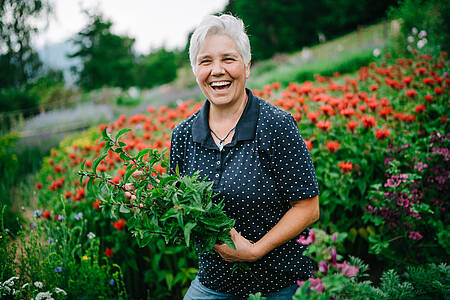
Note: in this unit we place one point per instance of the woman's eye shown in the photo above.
(229, 59)
(205, 61)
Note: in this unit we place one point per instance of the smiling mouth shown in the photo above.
(220, 85)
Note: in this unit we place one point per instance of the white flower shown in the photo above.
(58, 290)
(410, 39)
(414, 30)
(422, 34)
(421, 43)
(91, 235)
(410, 49)
(376, 52)
(38, 284)
(42, 295)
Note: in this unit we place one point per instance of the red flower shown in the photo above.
(382, 133)
(96, 204)
(438, 90)
(368, 121)
(428, 98)
(119, 225)
(332, 146)
(411, 93)
(345, 166)
(373, 88)
(313, 116)
(352, 125)
(323, 125)
(116, 180)
(109, 252)
(159, 169)
(419, 108)
(407, 79)
(308, 144)
(67, 194)
(38, 186)
(46, 214)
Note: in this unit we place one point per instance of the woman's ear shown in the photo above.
(247, 69)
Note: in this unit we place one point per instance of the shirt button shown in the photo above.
(217, 175)
(218, 162)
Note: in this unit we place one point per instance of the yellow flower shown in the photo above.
(85, 257)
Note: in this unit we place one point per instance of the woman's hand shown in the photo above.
(245, 250)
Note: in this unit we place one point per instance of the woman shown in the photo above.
(259, 165)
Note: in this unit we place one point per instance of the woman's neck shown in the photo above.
(223, 118)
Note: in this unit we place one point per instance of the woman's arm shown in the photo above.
(302, 214)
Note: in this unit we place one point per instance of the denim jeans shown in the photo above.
(198, 291)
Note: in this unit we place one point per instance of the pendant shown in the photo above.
(220, 146)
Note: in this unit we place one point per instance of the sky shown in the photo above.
(153, 23)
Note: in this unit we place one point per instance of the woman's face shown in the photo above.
(220, 71)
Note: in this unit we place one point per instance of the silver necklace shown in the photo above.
(220, 146)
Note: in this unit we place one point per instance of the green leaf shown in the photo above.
(187, 232)
(124, 209)
(105, 134)
(121, 132)
(82, 165)
(143, 152)
(97, 162)
(122, 144)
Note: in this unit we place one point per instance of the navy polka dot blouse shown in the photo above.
(257, 174)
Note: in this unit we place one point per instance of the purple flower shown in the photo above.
(316, 284)
(307, 241)
(420, 166)
(323, 267)
(112, 282)
(79, 216)
(60, 217)
(33, 225)
(50, 240)
(414, 235)
(58, 269)
(347, 270)
(333, 253)
(334, 237)
(37, 213)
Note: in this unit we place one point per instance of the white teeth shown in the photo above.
(220, 83)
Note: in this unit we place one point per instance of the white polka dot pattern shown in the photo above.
(266, 165)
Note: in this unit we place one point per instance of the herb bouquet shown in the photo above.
(179, 208)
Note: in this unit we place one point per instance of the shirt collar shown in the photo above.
(245, 128)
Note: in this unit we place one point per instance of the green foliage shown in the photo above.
(17, 101)
(275, 27)
(49, 89)
(180, 209)
(430, 16)
(18, 61)
(108, 59)
(68, 259)
(156, 68)
(348, 280)
(409, 209)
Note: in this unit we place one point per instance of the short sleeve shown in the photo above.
(292, 164)
(176, 152)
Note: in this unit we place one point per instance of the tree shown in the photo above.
(156, 68)
(108, 59)
(18, 61)
(289, 25)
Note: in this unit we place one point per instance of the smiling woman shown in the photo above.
(260, 168)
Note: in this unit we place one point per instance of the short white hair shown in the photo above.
(224, 24)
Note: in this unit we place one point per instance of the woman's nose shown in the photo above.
(217, 69)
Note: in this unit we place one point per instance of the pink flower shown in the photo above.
(323, 267)
(316, 284)
(414, 235)
(307, 241)
(347, 270)
(333, 253)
